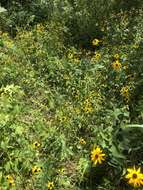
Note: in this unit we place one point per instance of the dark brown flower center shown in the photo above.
(35, 170)
(96, 156)
(134, 176)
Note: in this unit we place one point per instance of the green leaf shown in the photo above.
(116, 153)
(2, 10)
(134, 126)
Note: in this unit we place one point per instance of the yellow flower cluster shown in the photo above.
(10, 180)
(134, 177)
(8, 42)
(25, 35)
(88, 108)
(74, 56)
(36, 170)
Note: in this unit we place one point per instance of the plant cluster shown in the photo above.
(71, 95)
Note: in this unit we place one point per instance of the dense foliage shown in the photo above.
(71, 94)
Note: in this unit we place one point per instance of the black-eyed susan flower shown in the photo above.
(82, 141)
(9, 177)
(70, 55)
(96, 42)
(116, 56)
(61, 171)
(36, 145)
(50, 185)
(63, 119)
(134, 177)
(97, 156)
(125, 91)
(36, 170)
(11, 183)
(97, 56)
(116, 65)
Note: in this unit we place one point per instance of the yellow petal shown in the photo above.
(139, 170)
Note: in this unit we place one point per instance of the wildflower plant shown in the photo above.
(66, 84)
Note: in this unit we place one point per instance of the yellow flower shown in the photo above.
(63, 119)
(96, 57)
(66, 77)
(82, 141)
(125, 91)
(116, 65)
(116, 56)
(10, 180)
(36, 144)
(88, 109)
(70, 55)
(96, 42)
(97, 156)
(61, 171)
(76, 60)
(36, 170)
(134, 176)
(87, 101)
(50, 185)
(40, 28)
(11, 183)
(9, 43)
